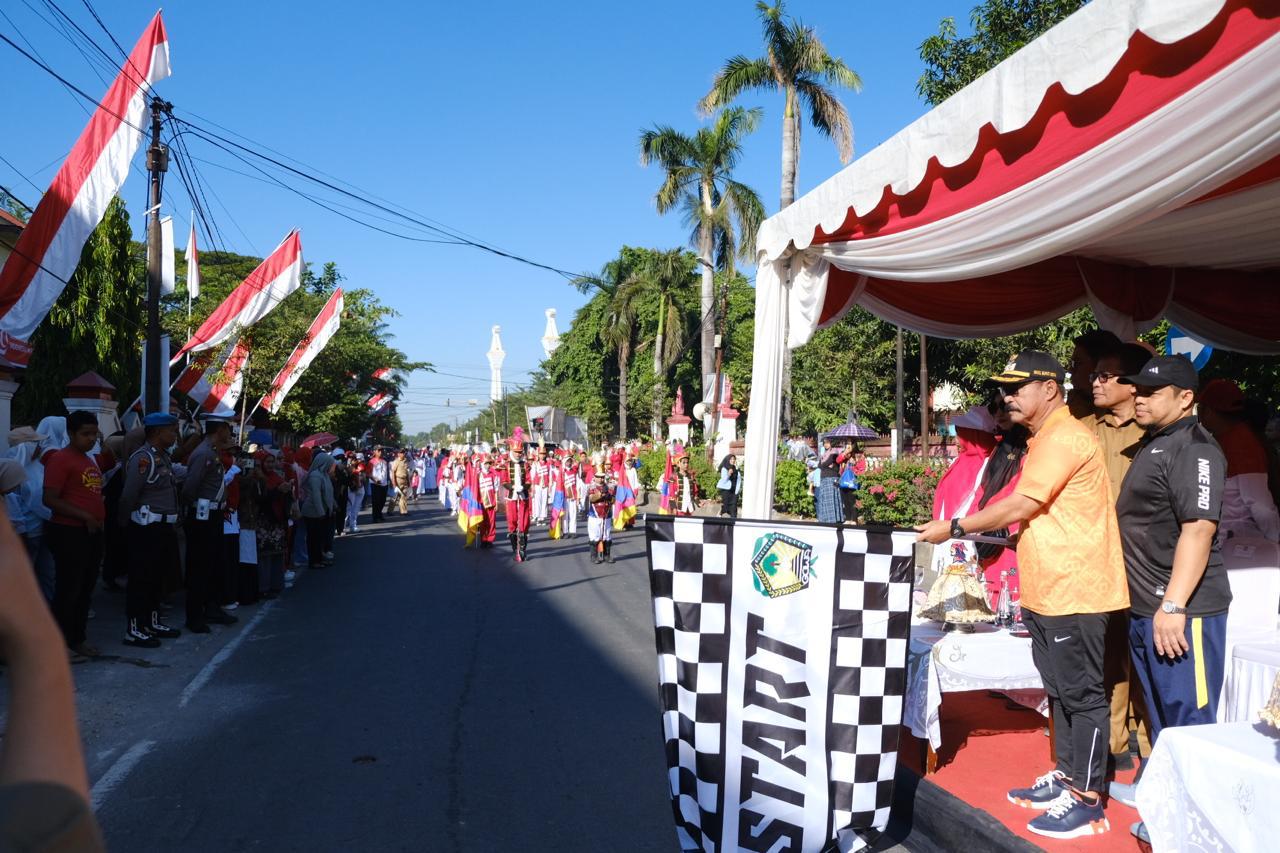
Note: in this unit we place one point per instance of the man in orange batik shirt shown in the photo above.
(1071, 566)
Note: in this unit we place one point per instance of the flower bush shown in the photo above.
(898, 493)
(791, 490)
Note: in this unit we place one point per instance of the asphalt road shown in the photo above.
(416, 696)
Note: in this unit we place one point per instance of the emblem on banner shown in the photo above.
(781, 564)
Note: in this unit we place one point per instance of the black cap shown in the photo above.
(1031, 366)
(1162, 370)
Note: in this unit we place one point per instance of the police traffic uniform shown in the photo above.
(203, 496)
(149, 512)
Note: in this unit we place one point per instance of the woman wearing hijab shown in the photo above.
(998, 482)
(729, 486)
(958, 489)
(317, 508)
(827, 495)
(21, 503)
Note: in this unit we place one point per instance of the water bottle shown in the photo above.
(1004, 605)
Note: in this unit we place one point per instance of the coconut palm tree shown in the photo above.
(618, 334)
(797, 64)
(661, 277)
(724, 214)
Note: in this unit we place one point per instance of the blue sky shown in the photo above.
(513, 122)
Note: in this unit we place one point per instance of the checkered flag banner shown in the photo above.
(782, 668)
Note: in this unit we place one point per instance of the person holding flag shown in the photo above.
(490, 484)
(470, 512)
(557, 501)
(572, 496)
(624, 508)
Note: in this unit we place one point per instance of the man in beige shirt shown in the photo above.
(1119, 434)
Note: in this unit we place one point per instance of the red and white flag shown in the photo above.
(48, 251)
(215, 384)
(322, 329)
(193, 262)
(383, 374)
(378, 402)
(274, 279)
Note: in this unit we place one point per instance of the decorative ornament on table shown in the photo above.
(958, 599)
(1270, 713)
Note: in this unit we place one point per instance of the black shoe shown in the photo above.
(135, 636)
(198, 627)
(608, 552)
(159, 629)
(220, 617)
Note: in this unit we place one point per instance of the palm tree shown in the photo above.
(723, 213)
(618, 334)
(662, 275)
(796, 63)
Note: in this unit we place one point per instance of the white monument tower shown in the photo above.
(496, 356)
(550, 337)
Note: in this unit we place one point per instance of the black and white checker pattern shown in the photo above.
(689, 577)
(871, 619)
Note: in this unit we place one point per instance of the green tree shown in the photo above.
(608, 320)
(95, 324)
(663, 277)
(797, 64)
(724, 213)
(1000, 29)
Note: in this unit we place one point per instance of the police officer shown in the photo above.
(149, 512)
(203, 495)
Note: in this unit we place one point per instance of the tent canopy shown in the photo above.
(1128, 159)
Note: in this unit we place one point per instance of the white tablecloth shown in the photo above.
(949, 662)
(1251, 672)
(1213, 788)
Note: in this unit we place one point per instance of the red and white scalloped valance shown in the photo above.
(1128, 159)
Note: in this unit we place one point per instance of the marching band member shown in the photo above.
(682, 487)
(490, 484)
(518, 491)
(600, 519)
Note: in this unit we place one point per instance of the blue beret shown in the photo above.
(158, 419)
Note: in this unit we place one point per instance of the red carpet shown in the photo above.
(988, 748)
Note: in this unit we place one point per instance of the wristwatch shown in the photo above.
(1170, 607)
(957, 532)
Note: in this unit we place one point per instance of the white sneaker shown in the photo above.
(355, 530)
(235, 605)
(290, 575)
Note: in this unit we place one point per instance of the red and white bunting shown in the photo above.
(322, 329)
(275, 278)
(48, 251)
(378, 402)
(216, 384)
(383, 374)
(193, 262)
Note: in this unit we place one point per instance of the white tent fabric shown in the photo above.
(1186, 181)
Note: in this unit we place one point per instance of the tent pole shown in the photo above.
(899, 417)
(924, 397)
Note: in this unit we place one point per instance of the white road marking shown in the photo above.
(117, 772)
(223, 655)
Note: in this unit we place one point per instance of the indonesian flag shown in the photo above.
(216, 384)
(48, 251)
(378, 402)
(274, 279)
(383, 374)
(193, 262)
(322, 329)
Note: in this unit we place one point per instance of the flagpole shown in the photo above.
(157, 164)
(244, 397)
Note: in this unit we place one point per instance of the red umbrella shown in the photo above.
(320, 439)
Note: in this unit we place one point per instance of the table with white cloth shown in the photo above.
(954, 661)
(1251, 672)
(1213, 788)
(1253, 570)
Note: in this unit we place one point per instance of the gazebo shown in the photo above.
(1128, 159)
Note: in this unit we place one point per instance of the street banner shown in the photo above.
(215, 384)
(193, 263)
(168, 277)
(48, 250)
(323, 327)
(275, 278)
(782, 669)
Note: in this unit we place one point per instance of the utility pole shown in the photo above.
(720, 342)
(924, 397)
(157, 164)
(899, 416)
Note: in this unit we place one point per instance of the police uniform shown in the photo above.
(148, 512)
(203, 494)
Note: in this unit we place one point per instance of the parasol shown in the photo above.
(851, 429)
(320, 439)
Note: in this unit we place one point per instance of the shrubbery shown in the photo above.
(898, 493)
(791, 491)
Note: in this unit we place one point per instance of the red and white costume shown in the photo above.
(490, 484)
